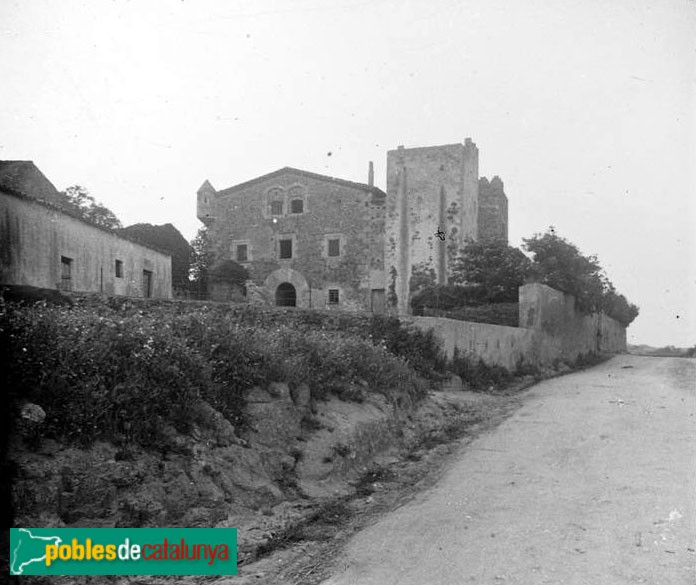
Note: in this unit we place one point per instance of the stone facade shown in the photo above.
(311, 240)
(435, 201)
(44, 247)
(434, 205)
(493, 211)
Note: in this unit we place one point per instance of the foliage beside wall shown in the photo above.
(492, 272)
(560, 265)
(496, 314)
(497, 268)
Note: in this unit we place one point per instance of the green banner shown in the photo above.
(123, 551)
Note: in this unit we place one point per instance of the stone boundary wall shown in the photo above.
(550, 329)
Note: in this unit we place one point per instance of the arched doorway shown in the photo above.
(287, 279)
(286, 295)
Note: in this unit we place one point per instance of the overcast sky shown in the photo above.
(586, 109)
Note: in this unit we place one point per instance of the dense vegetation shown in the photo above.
(496, 268)
(122, 373)
(201, 262)
(496, 314)
(491, 273)
(77, 201)
(560, 265)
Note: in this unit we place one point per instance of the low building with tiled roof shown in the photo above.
(44, 245)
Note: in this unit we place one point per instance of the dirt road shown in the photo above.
(592, 481)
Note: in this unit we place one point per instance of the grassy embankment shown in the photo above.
(98, 369)
(126, 373)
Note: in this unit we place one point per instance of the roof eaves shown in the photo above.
(20, 195)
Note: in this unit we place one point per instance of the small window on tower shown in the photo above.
(297, 206)
(334, 247)
(333, 296)
(242, 253)
(118, 269)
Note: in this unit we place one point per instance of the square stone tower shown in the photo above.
(432, 208)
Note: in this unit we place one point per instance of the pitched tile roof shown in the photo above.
(22, 179)
(308, 174)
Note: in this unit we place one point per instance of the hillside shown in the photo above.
(196, 414)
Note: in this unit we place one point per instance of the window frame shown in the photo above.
(296, 199)
(297, 192)
(118, 268)
(286, 239)
(272, 204)
(334, 296)
(326, 245)
(337, 242)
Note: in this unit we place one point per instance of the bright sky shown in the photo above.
(586, 109)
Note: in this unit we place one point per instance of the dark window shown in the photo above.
(65, 273)
(296, 206)
(333, 296)
(119, 269)
(242, 253)
(286, 249)
(276, 208)
(147, 284)
(334, 247)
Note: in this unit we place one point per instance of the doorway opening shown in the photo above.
(286, 295)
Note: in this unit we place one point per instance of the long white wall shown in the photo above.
(550, 329)
(34, 237)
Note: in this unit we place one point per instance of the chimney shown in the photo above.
(371, 175)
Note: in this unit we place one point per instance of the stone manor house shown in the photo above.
(321, 242)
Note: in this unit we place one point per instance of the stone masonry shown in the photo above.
(493, 211)
(317, 241)
(434, 206)
(311, 240)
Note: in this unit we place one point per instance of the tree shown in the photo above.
(618, 307)
(202, 259)
(422, 277)
(76, 199)
(498, 269)
(228, 272)
(168, 239)
(560, 265)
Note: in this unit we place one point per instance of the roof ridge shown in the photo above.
(363, 186)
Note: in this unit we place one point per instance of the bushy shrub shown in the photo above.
(496, 314)
(477, 373)
(447, 297)
(422, 350)
(96, 375)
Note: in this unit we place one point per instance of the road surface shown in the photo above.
(592, 481)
